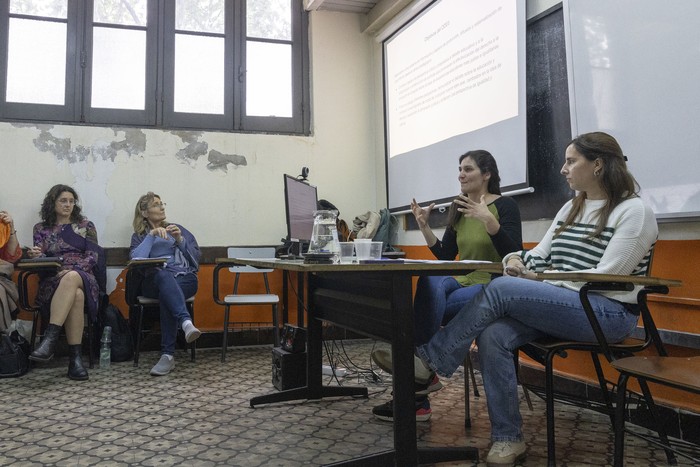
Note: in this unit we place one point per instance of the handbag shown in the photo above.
(14, 355)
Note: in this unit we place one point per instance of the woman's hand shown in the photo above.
(34, 252)
(6, 218)
(479, 211)
(421, 214)
(174, 230)
(159, 232)
(470, 208)
(516, 268)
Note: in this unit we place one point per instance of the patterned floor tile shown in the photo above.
(200, 416)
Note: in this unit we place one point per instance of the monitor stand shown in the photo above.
(296, 249)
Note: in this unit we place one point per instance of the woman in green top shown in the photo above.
(483, 225)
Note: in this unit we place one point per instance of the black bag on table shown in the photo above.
(14, 355)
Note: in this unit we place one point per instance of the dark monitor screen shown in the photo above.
(300, 203)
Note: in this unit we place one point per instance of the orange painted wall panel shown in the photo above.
(680, 311)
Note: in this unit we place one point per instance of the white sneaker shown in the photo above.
(191, 332)
(424, 375)
(505, 453)
(164, 365)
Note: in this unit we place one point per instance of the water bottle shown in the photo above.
(106, 348)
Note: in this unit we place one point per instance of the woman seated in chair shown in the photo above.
(605, 229)
(10, 252)
(482, 225)
(66, 296)
(172, 285)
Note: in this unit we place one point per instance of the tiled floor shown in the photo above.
(199, 416)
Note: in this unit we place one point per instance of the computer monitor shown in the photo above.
(300, 200)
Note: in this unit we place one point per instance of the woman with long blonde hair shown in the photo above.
(172, 284)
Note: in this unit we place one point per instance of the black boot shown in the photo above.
(76, 370)
(45, 351)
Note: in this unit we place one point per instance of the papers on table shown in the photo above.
(442, 261)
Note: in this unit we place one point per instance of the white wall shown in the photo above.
(237, 204)
(243, 204)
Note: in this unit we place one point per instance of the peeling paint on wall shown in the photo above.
(133, 143)
(220, 161)
(61, 148)
(194, 149)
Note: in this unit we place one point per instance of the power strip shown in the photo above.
(339, 372)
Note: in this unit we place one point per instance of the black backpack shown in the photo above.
(14, 355)
(122, 341)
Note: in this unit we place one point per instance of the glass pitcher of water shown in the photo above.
(324, 237)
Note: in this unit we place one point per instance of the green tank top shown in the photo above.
(474, 242)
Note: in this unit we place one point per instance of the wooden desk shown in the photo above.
(375, 300)
(608, 278)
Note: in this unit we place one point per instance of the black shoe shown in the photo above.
(385, 411)
(76, 370)
(46, 349)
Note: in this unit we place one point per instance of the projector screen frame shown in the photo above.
(448, 151)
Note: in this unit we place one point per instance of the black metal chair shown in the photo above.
(544, 350)
(139, 304)
(469, 375)
(37, 267)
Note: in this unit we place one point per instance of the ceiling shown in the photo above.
(376, 13)
(346, 6)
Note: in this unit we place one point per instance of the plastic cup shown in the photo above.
(346, 252)
(362, 248)
(375, 250)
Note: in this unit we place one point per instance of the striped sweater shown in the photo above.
(623, 247)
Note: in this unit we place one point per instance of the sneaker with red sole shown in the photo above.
(385, 412)
(432, 386)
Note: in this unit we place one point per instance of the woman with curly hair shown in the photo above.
(64, 232)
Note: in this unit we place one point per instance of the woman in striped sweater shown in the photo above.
(605, 229)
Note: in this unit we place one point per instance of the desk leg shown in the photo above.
(285, 297)
(301, 299)
(402, 347)
(314, 388)
(402, 358)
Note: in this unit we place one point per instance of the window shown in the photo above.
(202, 64)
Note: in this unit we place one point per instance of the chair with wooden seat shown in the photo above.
(237, 298)
(677, 372)
(545, 349)
(140, 305)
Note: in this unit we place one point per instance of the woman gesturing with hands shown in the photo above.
(482, 225)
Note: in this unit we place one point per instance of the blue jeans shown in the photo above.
(507, 313)
(171, 291)
(438, 299)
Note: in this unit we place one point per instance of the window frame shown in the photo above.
(144, 117)
(70, 110)
(159, 80)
